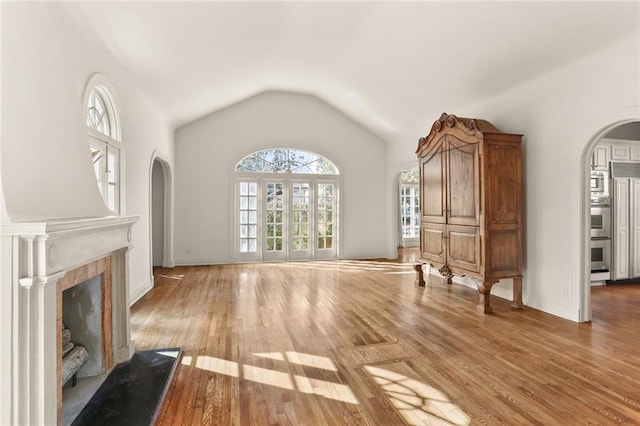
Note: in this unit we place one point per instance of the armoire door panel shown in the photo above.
(463, 192)
(503, 184)
(432, 243)
(432, 188)
(502, 259)
(464, 247)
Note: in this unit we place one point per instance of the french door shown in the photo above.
(287, 219)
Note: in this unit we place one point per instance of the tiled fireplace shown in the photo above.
(43, 260)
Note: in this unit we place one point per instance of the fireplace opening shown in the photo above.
(85, 351)
(82, 317)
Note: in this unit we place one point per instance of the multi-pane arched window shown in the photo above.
(103, 128)
(286, 160)
(287, 206)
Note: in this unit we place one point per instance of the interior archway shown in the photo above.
(585, 314)
(160, 213)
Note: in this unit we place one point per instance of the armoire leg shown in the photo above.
(419, 274)
(517, 293)
(484, 301)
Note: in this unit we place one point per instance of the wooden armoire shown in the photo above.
(471, 204)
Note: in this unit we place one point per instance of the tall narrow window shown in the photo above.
(104, 140)
(296, 201)
(409, 207)
(301, 217)
(248, 217)
(275, 216)
(326, 207)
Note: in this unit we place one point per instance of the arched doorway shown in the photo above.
(160, 202)
(630, 116)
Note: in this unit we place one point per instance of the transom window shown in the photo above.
(286, 160)
(104, 141)
(287, 206)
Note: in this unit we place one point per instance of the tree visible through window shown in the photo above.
(286, 160)
(290, 198)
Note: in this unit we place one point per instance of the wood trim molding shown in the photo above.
(71, 279)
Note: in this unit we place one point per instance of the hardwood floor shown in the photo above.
(356, 342)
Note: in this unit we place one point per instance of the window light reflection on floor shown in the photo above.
(217, 365)
(416, 401)
(307, 360)
(283, 380)
(173, 277)
(267, 377)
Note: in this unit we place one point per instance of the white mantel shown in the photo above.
(34, 257)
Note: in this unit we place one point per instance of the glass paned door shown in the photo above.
(286, 219)
(410, 211)
(301, 214)
(248, 220)
(275, 214)
(326, 221)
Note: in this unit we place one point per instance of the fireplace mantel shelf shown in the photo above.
(49, 226)
(63, 244)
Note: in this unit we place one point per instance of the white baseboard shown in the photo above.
(553, 308)
(201, 262)
(140, 291)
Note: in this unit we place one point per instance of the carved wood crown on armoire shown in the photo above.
(471, 204)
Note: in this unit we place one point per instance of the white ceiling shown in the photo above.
(392, 66)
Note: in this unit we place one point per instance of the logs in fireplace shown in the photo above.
(73, 357)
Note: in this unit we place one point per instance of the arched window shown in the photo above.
(287, 206)
(103, 128)
(409, 207)
(286, 160)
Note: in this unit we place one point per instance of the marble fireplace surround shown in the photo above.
(44, 258)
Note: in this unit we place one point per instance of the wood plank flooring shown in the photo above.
(357, 343)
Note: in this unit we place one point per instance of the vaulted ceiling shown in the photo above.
(393, 66)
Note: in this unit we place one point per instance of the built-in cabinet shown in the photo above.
(614, 150)
(621, 160)
(601, 156)
(471, 204)
(626, 228)
(625, 152)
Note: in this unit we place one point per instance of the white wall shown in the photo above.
(47, 60)
(45, 167)
(207, 151)
(559, 114)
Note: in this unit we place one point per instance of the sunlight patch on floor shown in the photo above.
(217, 365)
(280, 379)
(267, 377)
(277, 356)
(330, 390)
(417, 402)
(173, 277)
(350, 265)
